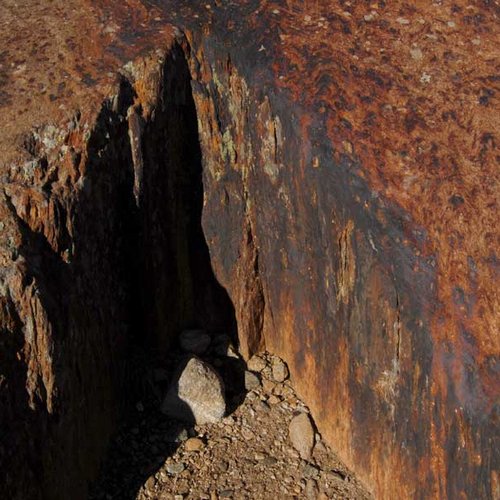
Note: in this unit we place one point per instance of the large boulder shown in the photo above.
(196, 395)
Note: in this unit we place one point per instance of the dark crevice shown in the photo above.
(168, 278)
(176, 284)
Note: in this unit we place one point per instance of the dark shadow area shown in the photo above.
(178, 288)
(171, 287)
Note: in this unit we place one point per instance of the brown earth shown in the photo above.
(248, 455)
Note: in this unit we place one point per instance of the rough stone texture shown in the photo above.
(302, 435)
(350, 208)
(279, 370)
(196, 395)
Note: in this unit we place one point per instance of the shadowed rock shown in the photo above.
(196, 395)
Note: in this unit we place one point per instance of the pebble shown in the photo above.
(279, 370)
(268, 385)
(256, 363)
(194, 444)
(251, 381)
(416, 54)
(175, 468)
(150, 483)
(194, 341)
(301, 434)
(273, 399)
(310, 470)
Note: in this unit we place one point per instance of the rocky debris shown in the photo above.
(251, 381)
(196, 395)
(194, 341)
(279, 370)
(194, 444)
(248, 454)
(256, 363)
(302, 434)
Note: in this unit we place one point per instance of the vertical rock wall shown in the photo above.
(336, 280)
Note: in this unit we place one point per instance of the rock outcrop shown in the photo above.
(349, 200)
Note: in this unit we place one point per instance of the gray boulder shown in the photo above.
(196, 395)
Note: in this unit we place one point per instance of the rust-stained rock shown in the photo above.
(350, 177)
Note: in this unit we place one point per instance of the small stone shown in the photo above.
(425, 78)
(175, 468)
(178, 497)
(226, 493)
(279, 370)
(247, 434)
(301, 434)
(256, 363)
(311, 489)
(150, 483)
(269, 461)
(416, 54)
(402, 20)
(259, 456)
(194, 341)
(222, 466)
(268, 385)
(194, 444)
(310, 470)
(274, 400)
(262, 406)
(196, 394)
(251, 381)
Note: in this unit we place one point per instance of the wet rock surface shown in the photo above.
(249, 454)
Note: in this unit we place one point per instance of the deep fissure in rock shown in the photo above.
(174, 286)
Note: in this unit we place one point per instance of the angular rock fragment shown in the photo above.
(256, 363)
(251, 381)
(279, 370)
(194, 444)
(196, 395)
(301, 434)
(194, 341)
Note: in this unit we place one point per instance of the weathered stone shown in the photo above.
(301, 433)
(251, 381)
(194, 341)
(256, 363)
(196, 394)
(194, 444)
(175, 468)
(279, 370)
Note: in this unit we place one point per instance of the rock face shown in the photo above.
(350, 213)
(196, 395)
